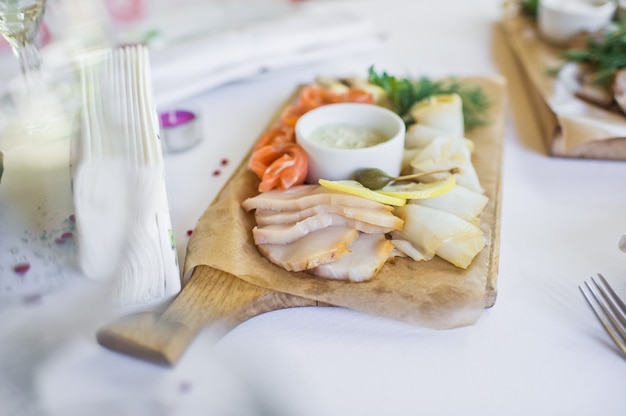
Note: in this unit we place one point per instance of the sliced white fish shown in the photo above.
(436, 232)
(312, 250)
(380, 217)
(407, 157)
(287, 233)
(406, 248)
(460, 201)
(305, 196)
(443, 112)
(445, 153)
(368, 254)
(461, 249)
(420, 135)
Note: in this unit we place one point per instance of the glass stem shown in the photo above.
(30, 63)
(29, 58)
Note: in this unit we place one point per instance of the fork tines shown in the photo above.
(608, 308)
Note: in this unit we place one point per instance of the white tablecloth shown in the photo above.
(538, 351)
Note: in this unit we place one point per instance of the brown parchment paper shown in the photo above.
(431, 294)
(570, 127)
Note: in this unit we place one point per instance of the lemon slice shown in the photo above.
(420, 190)
(355, 188)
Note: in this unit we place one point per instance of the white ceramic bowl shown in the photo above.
(560, 20)
(333, 163)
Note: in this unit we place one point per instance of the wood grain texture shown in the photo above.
(210, 297)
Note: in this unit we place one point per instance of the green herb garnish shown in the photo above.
(405, 92)
(530, 7)
(606, 54)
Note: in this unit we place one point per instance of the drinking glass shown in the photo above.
(35, 191)
(34, 101)
(19, 24)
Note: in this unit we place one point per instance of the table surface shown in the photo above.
(539, 350)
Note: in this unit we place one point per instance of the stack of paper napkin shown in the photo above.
(122, 212)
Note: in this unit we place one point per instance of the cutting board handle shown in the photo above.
(210, 297)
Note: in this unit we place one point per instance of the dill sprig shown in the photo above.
(530, 7)
(404, 92)
(605, 54)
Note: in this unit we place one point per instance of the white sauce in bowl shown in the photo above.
(370, 137)
(576, 6)
(347, 136)
(560, 20)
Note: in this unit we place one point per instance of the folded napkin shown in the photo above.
(305, 34)
(122, 211)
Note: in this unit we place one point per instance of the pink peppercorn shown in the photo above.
(21, 268)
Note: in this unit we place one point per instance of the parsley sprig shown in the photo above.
(404, 92)
(606, 54)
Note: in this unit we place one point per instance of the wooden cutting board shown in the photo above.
(210, 297)
(213, 295)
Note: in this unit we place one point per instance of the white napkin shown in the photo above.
(306, 34)
(122, 210)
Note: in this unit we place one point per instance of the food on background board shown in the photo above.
(593, 48)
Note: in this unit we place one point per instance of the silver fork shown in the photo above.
(608, 308)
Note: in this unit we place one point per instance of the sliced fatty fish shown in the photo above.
(288, 233)
(406, 248)
(460, 201)
(436, 232)
(306, 196)
(314, 249)
(368, 253)
(382, 217)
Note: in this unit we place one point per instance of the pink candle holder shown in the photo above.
(180, 129)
